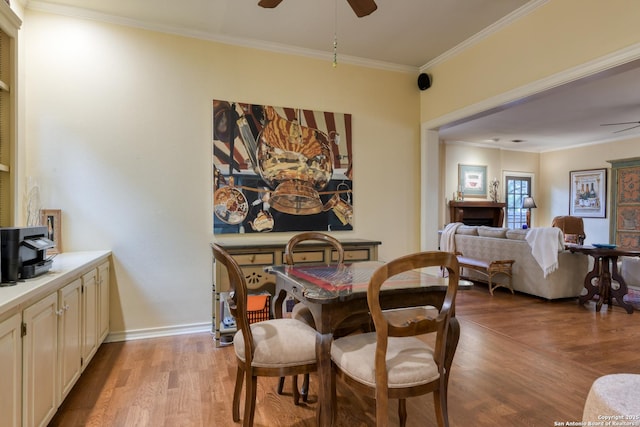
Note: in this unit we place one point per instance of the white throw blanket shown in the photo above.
(545, 244)
(447, 239)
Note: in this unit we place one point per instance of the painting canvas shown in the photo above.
(279, 169)
(588, 193)
(472, 180)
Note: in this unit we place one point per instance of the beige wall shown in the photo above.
(554, 181)
(555, 37)
(118, 133)
(550, 172)
(497, 161)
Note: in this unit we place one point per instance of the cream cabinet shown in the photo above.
(70, 339)
(40, 361)
(51, 327)
(10, 371)
(103, 306)
(253, 258)
(91, 314)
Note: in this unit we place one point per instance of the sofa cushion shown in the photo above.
(500, 233)
(517, 234)
(469, 230)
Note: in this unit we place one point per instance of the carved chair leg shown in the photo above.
(402, 412)
(440, 403)
(236, 394)
(250, 400)
(305, 388)
(296, 390)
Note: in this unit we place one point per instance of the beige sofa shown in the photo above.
(491, 243)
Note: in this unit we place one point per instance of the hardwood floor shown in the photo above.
(521, 361)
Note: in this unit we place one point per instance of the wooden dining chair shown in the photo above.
(394, 362)
(300, 311)
(270, 348)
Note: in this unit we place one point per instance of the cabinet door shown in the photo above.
(39, 363)
(90, 313)
(70, 336)
(10, 371)
(103, 297)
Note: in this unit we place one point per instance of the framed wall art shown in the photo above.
(588, 196)
(472, 180)
(280, 169)
(52, 219)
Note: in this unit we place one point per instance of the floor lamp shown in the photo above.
(528, 204)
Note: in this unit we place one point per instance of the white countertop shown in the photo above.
(66, 267)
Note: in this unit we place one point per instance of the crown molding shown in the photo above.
(81, 13)
(619, 58)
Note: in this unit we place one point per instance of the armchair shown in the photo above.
(572, 227)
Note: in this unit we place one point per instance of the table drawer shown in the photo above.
(354, 255)
(255, 259)
(311, 256)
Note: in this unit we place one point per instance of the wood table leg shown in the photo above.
(325, 410)
(604, 282)
(592, 289)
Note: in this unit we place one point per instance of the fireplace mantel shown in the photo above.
(483, 212)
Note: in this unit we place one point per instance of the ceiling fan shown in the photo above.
(360, 7)
(637, 124)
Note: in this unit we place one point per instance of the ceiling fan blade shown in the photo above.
(624, 130)
(269, 4)
(623, 123)
(363, 7)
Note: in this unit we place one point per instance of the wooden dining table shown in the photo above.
(336, 293)
(605, 269)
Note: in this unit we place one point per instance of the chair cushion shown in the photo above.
(616, 396)
(279, 342)
(409, 360)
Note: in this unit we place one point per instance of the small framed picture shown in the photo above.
(588, 197)
(52, 219)
(472, 180)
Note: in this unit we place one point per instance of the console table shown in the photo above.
(605, 268)
(254, 257)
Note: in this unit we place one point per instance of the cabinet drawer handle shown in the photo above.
(59, 312)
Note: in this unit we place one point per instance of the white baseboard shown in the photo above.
(139, 334)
